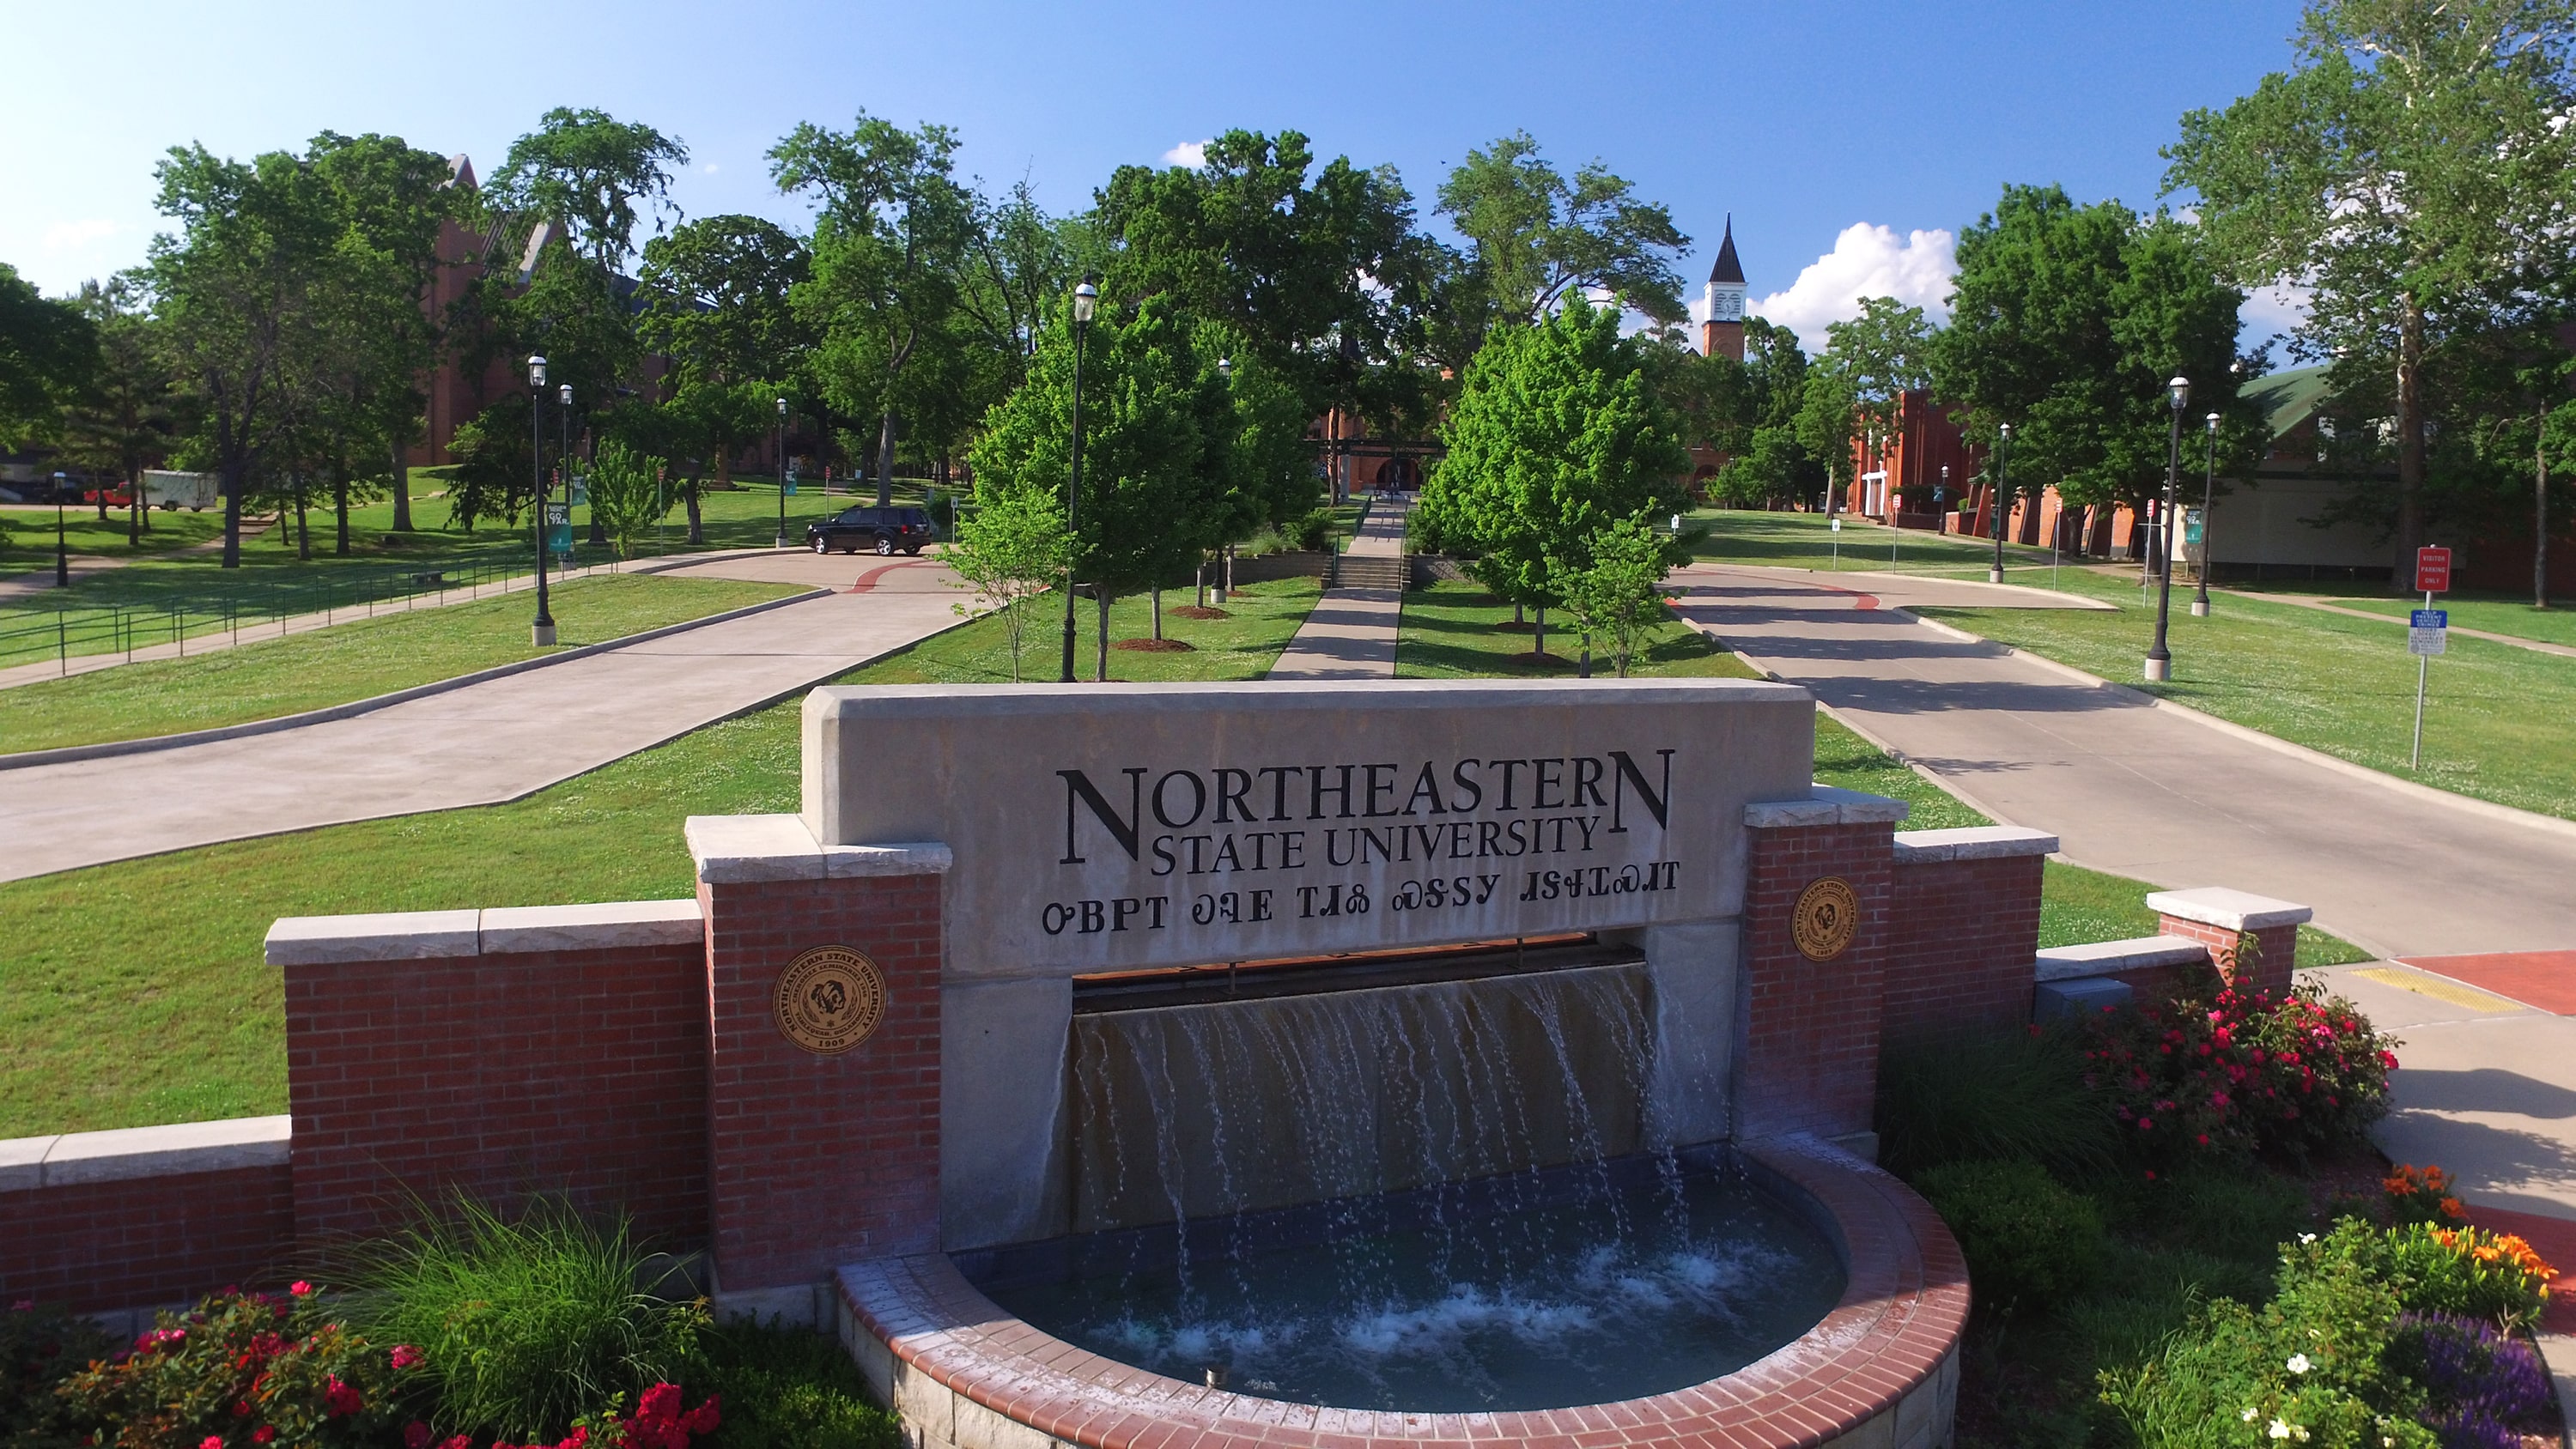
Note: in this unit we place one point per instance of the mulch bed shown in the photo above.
(1153, 646)
(1197, 611)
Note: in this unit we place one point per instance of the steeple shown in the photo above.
(1723, 301)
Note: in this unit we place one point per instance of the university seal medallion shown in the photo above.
(1826, 918)
(830, 999)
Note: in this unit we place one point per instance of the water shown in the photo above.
(1583, 1285)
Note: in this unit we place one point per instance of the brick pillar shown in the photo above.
(1963, 931)
(815, 1161)
(1808, 1059)
(2217, 917)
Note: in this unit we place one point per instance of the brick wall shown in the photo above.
(102, 1246)
(817, 1161)
(1960, 939)
(2271, 971)
(1809, 1055)
(579, 1073)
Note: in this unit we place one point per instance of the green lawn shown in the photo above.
(29, 543)
(1806, 541)
(1262, 618)
(1456, 630)
(2513, 617)
(349, 662)
(2495, 718)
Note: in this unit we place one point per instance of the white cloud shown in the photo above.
(65, 236)
(1867, 261)
(1192, 154)
(2269, 311)
(711, 168)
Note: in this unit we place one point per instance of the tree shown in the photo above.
(625, 493)
(231, 293)
(1013, 548)
(1150, 478)
(124, 419)
(47, 352)
(1616, 591)
(1557, 432)
(2412, 173)
(1537, 237)
(1878, 357)
(589, 171)
(891, 250)
(494, 475)
(715, 296)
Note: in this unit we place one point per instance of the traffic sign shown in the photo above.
(1838, 525)
(2427, 631)
(2433, 570)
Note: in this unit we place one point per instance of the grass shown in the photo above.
(29, 544)
(1456, 630)
(2494, 614)
(1805, 541)
(1262, 619)
(349, 662)
(2494, 717)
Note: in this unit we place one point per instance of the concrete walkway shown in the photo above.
(1351, 632)
(2150, 792)
(481, 744)
(2325, 606)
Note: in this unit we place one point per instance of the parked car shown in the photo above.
(885, 530)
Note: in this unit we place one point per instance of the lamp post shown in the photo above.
(62, 548)
(1225, 552)
(1995, 501)
(2208, 491)
(542, 632)
(2160, 659)
(1085, 298)
(563, 461)
(782, 472)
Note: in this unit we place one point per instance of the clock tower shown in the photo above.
(1723, 332)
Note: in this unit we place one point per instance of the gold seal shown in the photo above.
(830, 999)
(1826, 919)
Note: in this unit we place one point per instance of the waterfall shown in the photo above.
(1201, 1110)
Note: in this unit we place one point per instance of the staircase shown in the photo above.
(1370, 571)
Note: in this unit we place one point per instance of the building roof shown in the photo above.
(1728, 272)
(2289, 398)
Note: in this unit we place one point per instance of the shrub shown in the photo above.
(1315, 530)
(39, 1349)
(2421, 1195)
(2026, 1238)
(2223, 1068)
(2484, 1387)
(242, 1369)
(2468, 1271)
(2018, 1094)
(523, 1324)
(784, 1388)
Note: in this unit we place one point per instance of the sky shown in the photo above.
(1849, 142)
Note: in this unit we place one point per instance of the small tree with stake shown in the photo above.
(1013, 549)
(625, 494)
(1614, 594)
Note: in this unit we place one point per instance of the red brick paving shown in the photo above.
(2543, 979)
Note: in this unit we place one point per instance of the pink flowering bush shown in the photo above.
(2223, 1068)
(241, 1369)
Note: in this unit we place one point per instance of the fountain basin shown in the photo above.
(1880, 1369)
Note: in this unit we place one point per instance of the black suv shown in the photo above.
(886, 530)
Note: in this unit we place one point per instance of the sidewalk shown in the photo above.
(2323, 606)
(478, 745)
(1351, 632)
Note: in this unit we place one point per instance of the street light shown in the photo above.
(563, 460)
(2208, 489)
(2160, 659)
(542, 632)
(782, 472)
(1995, 501)
(1085, 298)
(62, 549)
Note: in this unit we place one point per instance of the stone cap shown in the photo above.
(449, 935)
(2228, 910)
(733, 849)
(1824, 805)
(126, 1153)
(2103, 958)
(1975, 842)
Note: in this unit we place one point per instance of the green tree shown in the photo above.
(1557, 432)
(1615, 592)
(494, 475)
(2413, 173)
(47, 352)
(1538, 237)
(1012, 549)
(625, 493)
(1879, 357)
(589, 172)
(892, 246)
(124, 420)
(715, 294)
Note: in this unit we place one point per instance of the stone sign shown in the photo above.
(1119, 826)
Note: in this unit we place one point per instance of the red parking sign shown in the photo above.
(2433, 570)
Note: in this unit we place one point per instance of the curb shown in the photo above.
(2274, 743)
(67, 754)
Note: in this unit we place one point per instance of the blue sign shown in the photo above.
(2428, 618)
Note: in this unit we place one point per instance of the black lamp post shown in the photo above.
(2208, 491)
(2160, 659)
(1995, 501)
(62, 549)
(1085, 298)
(782, 472)
(563, 461)
(542, 632)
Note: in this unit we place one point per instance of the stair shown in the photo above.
(1365, 571)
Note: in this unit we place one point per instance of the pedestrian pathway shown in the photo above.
(1351, 632)
(477, 745)
(2536, 646)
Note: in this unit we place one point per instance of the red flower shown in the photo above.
(704, 1419)
(404, 1357)
(415, 1435)
(212, 1441)
(2146, 1124)
(339, 1400)
(300, 1288)
(263, 1434)
(241, 1408)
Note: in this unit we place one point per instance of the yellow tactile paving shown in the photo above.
(2426, 984)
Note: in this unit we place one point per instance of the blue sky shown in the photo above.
(1834, 133)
